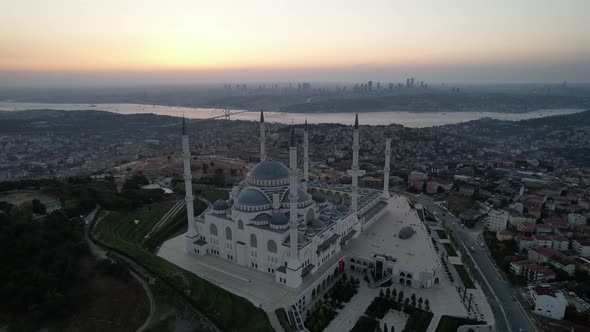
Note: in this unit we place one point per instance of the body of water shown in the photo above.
(408, 119)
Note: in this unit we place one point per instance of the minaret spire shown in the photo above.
(191, 233)
(387, 161)
(262, 137)
(355, 171)
(293, 264)
(305, 153)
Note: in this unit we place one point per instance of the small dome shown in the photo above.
(302, 196)
(302, 227)
(406, 233)
(300, 238)
(319, 198)
(220, 205)
(269, 170)
(263, 217)
(318, 225)
(252, 197)
(310, 232)
(279, 219)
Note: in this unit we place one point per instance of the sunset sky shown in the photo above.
(269, 39)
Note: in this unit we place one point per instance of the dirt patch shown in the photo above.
(21, 196)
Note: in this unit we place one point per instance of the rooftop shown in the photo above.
(414, 253)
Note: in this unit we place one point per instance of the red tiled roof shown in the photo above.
(545, 291)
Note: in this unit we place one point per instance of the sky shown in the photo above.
(178, 41)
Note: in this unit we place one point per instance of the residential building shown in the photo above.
(548, 302)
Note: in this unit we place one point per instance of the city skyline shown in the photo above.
(204, 41)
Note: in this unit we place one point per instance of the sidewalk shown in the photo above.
(354, 309)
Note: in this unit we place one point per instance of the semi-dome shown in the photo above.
(279, 219)
(269, 170)
(406, 233)
(220, 205)
(302, 196)
(319, 198)
(301, 239)
(252, 197)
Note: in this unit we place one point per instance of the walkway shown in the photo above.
(354, 309)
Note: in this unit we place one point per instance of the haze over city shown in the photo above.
(44, 43)
(295, 166)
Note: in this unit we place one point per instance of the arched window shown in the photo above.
(213, 229)
(228, 233)
(271, 246)
(253, 241)
(240, 224)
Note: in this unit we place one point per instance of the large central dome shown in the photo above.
(269, 170)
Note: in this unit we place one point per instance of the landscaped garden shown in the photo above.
(417, 309)
(451, 324)
(442, 234)
(326, 309)
(465, 278)
(450, 249)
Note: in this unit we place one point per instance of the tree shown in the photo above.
(388, 293)
(38, 207)
(205, 168)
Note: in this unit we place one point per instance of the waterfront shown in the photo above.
(408, 119)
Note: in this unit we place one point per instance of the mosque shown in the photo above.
(289, 228)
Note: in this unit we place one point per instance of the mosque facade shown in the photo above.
(291, 228)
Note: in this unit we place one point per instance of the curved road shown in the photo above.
(509, 314)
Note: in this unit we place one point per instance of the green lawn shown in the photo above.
(228, 311)
(467, 281)
(282, 316)
(451, 324)
(121, 226)
(442, 234)
(418, 321)
(450, 249)
(173, 228)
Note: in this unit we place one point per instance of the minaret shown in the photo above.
(305, 154)
(293, 264)
(262, 137)
(355, 172)
(387, 161)
(191, 233)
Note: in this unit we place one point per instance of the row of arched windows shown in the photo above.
(271, 245)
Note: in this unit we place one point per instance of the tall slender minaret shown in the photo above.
(355, 171)
(262, 137)
(293, 264)
(387, 161)
(191, 233)
(305, 153)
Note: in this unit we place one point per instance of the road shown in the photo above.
(509, 315)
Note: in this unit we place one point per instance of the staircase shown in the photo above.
(295, 319)
(377, 283)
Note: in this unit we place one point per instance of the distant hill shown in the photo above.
(86, 121)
